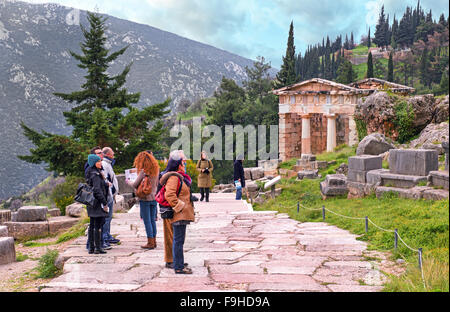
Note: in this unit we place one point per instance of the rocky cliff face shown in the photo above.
(34, 63)
(378, 112)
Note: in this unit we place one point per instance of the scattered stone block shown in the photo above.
(7, 250)
(32, 214)
(445, 148)
(439, 179)
(413, 162)
(76, 210)
(374, 144)
(334, 185)
(257, 173)
(401, 180)
(5, 216)
(3, 231)
(55, 212)
(365, 162)
(268, 194)
(358, 190)
(435, 194)
(307, 174)
(58, 224)
(356, 176)
(20, 230)
(247, 173)
(374, 176)
(411, 193)
(251, 186)
(308, 157)
(123, 186)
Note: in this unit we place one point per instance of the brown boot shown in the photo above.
(154, 241)
(149, 244)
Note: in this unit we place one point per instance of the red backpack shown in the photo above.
(161, 196)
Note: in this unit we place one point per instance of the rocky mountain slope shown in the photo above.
(34, 63)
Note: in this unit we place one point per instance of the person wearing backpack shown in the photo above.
(204, 179)
(145, 187)
(99, 210)
(176, 184)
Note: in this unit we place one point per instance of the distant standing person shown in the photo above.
(99, 210)
(204, 180)
(239, 177)
(107, 164)
(148, 168)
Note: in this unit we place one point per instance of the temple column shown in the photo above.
(306, 134)
(331, 132)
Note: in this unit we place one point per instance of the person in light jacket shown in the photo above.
(99, 210)
(204, 180)
(147, 165)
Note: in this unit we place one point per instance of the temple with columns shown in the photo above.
(316, 115)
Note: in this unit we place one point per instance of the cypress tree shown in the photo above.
(286, 76)
(380, 30)
(98, 118)
(369, 42)
(369, 66)
(390, 76)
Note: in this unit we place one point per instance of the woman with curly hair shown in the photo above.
(148, 168)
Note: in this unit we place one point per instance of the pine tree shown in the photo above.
(369, 66)
(286, 76)
(352, 41)
(390, 75)
(98, 118)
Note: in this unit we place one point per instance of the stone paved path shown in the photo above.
(229, 248)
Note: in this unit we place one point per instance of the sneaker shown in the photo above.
(113, 240)
(106, 247)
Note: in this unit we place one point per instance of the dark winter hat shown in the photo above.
(93, 159)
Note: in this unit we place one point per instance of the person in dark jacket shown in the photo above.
(239, 176)
(99, 210)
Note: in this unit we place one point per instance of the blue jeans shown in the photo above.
(107, 226)
(238, 193)
(148, 215)
(179, 234)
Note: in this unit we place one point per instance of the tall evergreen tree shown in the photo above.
(345, 73)
(369, 66)
(380, 30)
(98, 117)
(390, 75)
(369, 42)
(286, 76)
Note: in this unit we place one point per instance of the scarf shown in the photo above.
(187, 179)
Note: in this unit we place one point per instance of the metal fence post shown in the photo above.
(395, 239)
(420, 259)
(323, 213)
(298, 207)
(367, 224)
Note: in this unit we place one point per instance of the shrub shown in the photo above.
(63, 194)
(46, 267)
(361, 128)
(404, 118)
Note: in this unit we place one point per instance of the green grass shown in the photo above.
(46, 267)
(420, 223)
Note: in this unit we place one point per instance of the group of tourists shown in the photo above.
(171, 188)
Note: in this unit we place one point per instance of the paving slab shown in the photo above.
(229, 248)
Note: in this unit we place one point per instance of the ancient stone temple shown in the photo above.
(317, 115)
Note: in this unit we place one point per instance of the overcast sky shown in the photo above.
(252, 28)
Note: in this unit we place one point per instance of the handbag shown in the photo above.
(85, 195)
(161, 199)
(144, 188)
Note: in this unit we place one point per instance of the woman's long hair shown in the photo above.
(145, 160)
